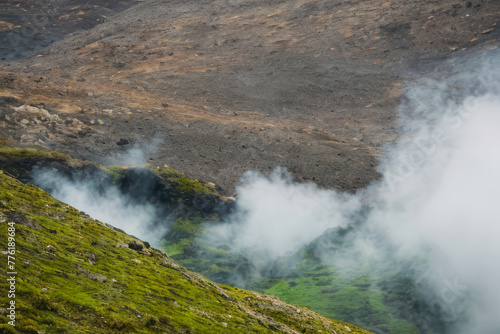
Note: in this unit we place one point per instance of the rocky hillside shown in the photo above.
(228, 86)
(75, 274)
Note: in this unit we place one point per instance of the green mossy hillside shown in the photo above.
(357, 296)
(78, 275)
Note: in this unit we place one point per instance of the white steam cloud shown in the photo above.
(447, 203)
(276, 216)
(138, 154)
(109, 206)
(438, 199)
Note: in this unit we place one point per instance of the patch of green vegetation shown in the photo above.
(78, 275)
(398, 326)
(184, 185)
(168, 173)
(181, 235)
(172, 249)
(192, 187)
(117, 172)
(185, 243)
(323, 290)
(187, 227)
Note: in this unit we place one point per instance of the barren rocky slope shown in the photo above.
(228, 86)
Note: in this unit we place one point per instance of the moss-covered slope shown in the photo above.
(78, 275)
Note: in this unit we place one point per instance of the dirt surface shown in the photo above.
(29, 26)
(216, 88)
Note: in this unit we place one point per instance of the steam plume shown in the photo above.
(106, 202)
(438, 199)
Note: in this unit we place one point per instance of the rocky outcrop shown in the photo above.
(39, 127)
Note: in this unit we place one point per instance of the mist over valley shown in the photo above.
(339, 155)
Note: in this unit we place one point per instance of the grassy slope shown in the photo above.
(59, 290)
(357, 297)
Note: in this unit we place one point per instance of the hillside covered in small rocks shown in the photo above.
(226, 87)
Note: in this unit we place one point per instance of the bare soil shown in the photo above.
(231, 85)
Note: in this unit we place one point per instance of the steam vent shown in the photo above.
(249, 166)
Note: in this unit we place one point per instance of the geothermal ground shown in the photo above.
(216, 88)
